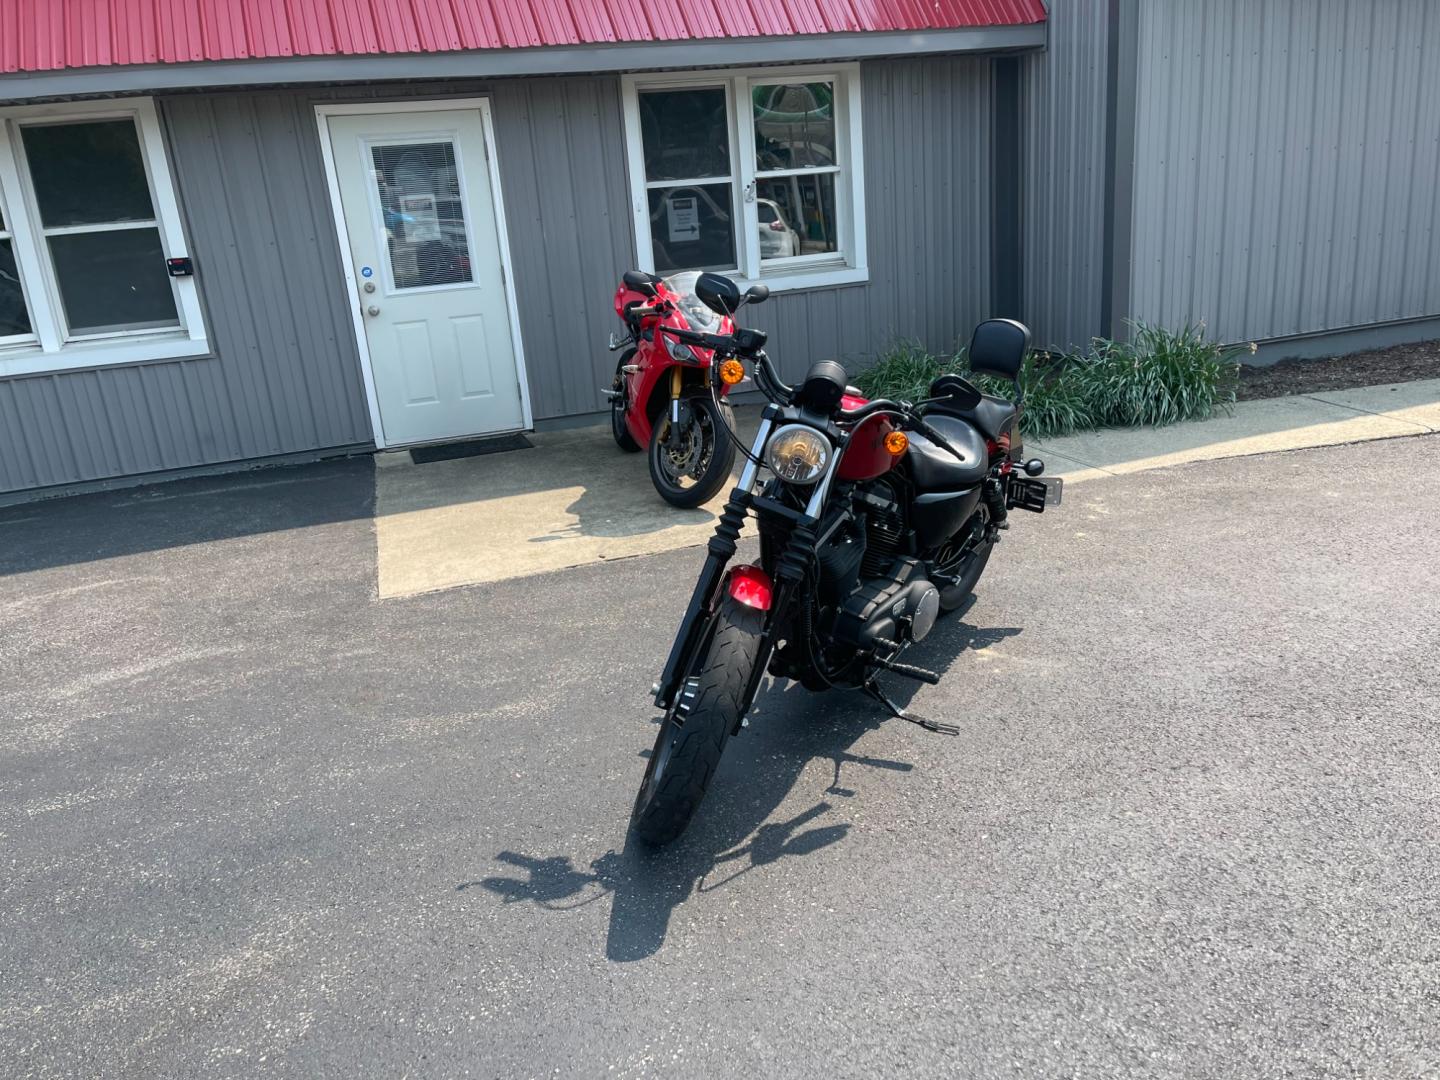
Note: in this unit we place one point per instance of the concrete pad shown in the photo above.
(1253, 427)
(1057, 464)
(574, 499)
(1411, 402)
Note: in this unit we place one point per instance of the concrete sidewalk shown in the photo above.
(576, 499)
(1252, 427)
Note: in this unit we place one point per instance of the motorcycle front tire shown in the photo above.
(722, 457)
(693, 735)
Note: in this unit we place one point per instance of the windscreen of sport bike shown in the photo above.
(700, 317)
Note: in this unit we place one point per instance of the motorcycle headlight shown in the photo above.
(798, 454)
(679, 350)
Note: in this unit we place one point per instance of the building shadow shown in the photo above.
(48, 533)
(734, 835)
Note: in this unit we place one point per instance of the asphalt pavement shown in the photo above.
(255, 821)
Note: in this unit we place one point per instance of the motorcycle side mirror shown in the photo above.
(998, 348)
(639, 281)
(719, 293)
(757, 294)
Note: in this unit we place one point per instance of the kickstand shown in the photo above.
(872, 689)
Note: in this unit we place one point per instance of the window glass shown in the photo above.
(692, 227)
(88, 173)
(113, 280)
(794, 126)
(685, 133)
(424, 213)
(14, 318)
(797, 215)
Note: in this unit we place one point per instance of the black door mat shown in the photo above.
(469, 448)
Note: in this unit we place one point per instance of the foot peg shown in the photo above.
(910, 671)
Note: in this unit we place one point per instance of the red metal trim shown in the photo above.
(53, 35)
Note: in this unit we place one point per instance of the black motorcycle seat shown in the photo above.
(937, 469)
(993, 415)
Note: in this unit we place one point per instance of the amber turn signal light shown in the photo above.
(731, 372)
(896, 442)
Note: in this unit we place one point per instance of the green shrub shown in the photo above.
(1158, 377)
(904, 371)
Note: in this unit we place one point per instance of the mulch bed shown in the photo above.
(1399, 363)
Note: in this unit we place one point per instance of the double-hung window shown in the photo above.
(752, 173)
(88, 222)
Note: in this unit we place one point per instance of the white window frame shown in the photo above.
(844, 267)
(51, 347)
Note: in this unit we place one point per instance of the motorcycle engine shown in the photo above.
(900, 605)
(893, 600)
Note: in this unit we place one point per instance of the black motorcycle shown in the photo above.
(878, 516)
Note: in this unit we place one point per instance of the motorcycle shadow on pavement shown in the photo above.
(733, 834)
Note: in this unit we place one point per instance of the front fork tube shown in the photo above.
(789, 574)
(677, 375)
(721, 550)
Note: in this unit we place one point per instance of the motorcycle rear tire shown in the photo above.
(623, 438)
(722, 457)
(687, 754)
(955, 596)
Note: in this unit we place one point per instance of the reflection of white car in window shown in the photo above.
(777, 239)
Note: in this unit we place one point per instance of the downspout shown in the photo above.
(1122, 63)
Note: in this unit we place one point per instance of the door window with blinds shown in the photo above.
(422, 207)
(88, 220)
(753, 173)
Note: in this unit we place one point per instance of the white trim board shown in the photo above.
(848, 265)
(53, 346)
(337, 211)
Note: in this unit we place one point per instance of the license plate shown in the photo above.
(1054, 488)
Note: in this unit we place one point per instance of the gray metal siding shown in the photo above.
(927, 125)
(561, 149)
(1286, 156)
(1063, 159)
(286, 376)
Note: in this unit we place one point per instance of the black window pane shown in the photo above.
(88, 173)
(686, 134)
(794, 125)
(797, 215)
(692, 228)
(14, 319)
(113, 281)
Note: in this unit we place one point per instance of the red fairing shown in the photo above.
(865, 454)
(652, 360)
(751, 586)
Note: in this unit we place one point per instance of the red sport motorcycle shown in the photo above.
(877, 517)
(667, 395)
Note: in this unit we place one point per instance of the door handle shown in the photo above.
(373, 309)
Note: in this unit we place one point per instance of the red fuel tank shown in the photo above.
(865, 455)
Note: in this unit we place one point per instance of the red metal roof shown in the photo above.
(50, 35)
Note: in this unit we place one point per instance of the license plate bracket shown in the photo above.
(1034, 495)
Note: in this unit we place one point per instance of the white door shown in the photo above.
(420, 218)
